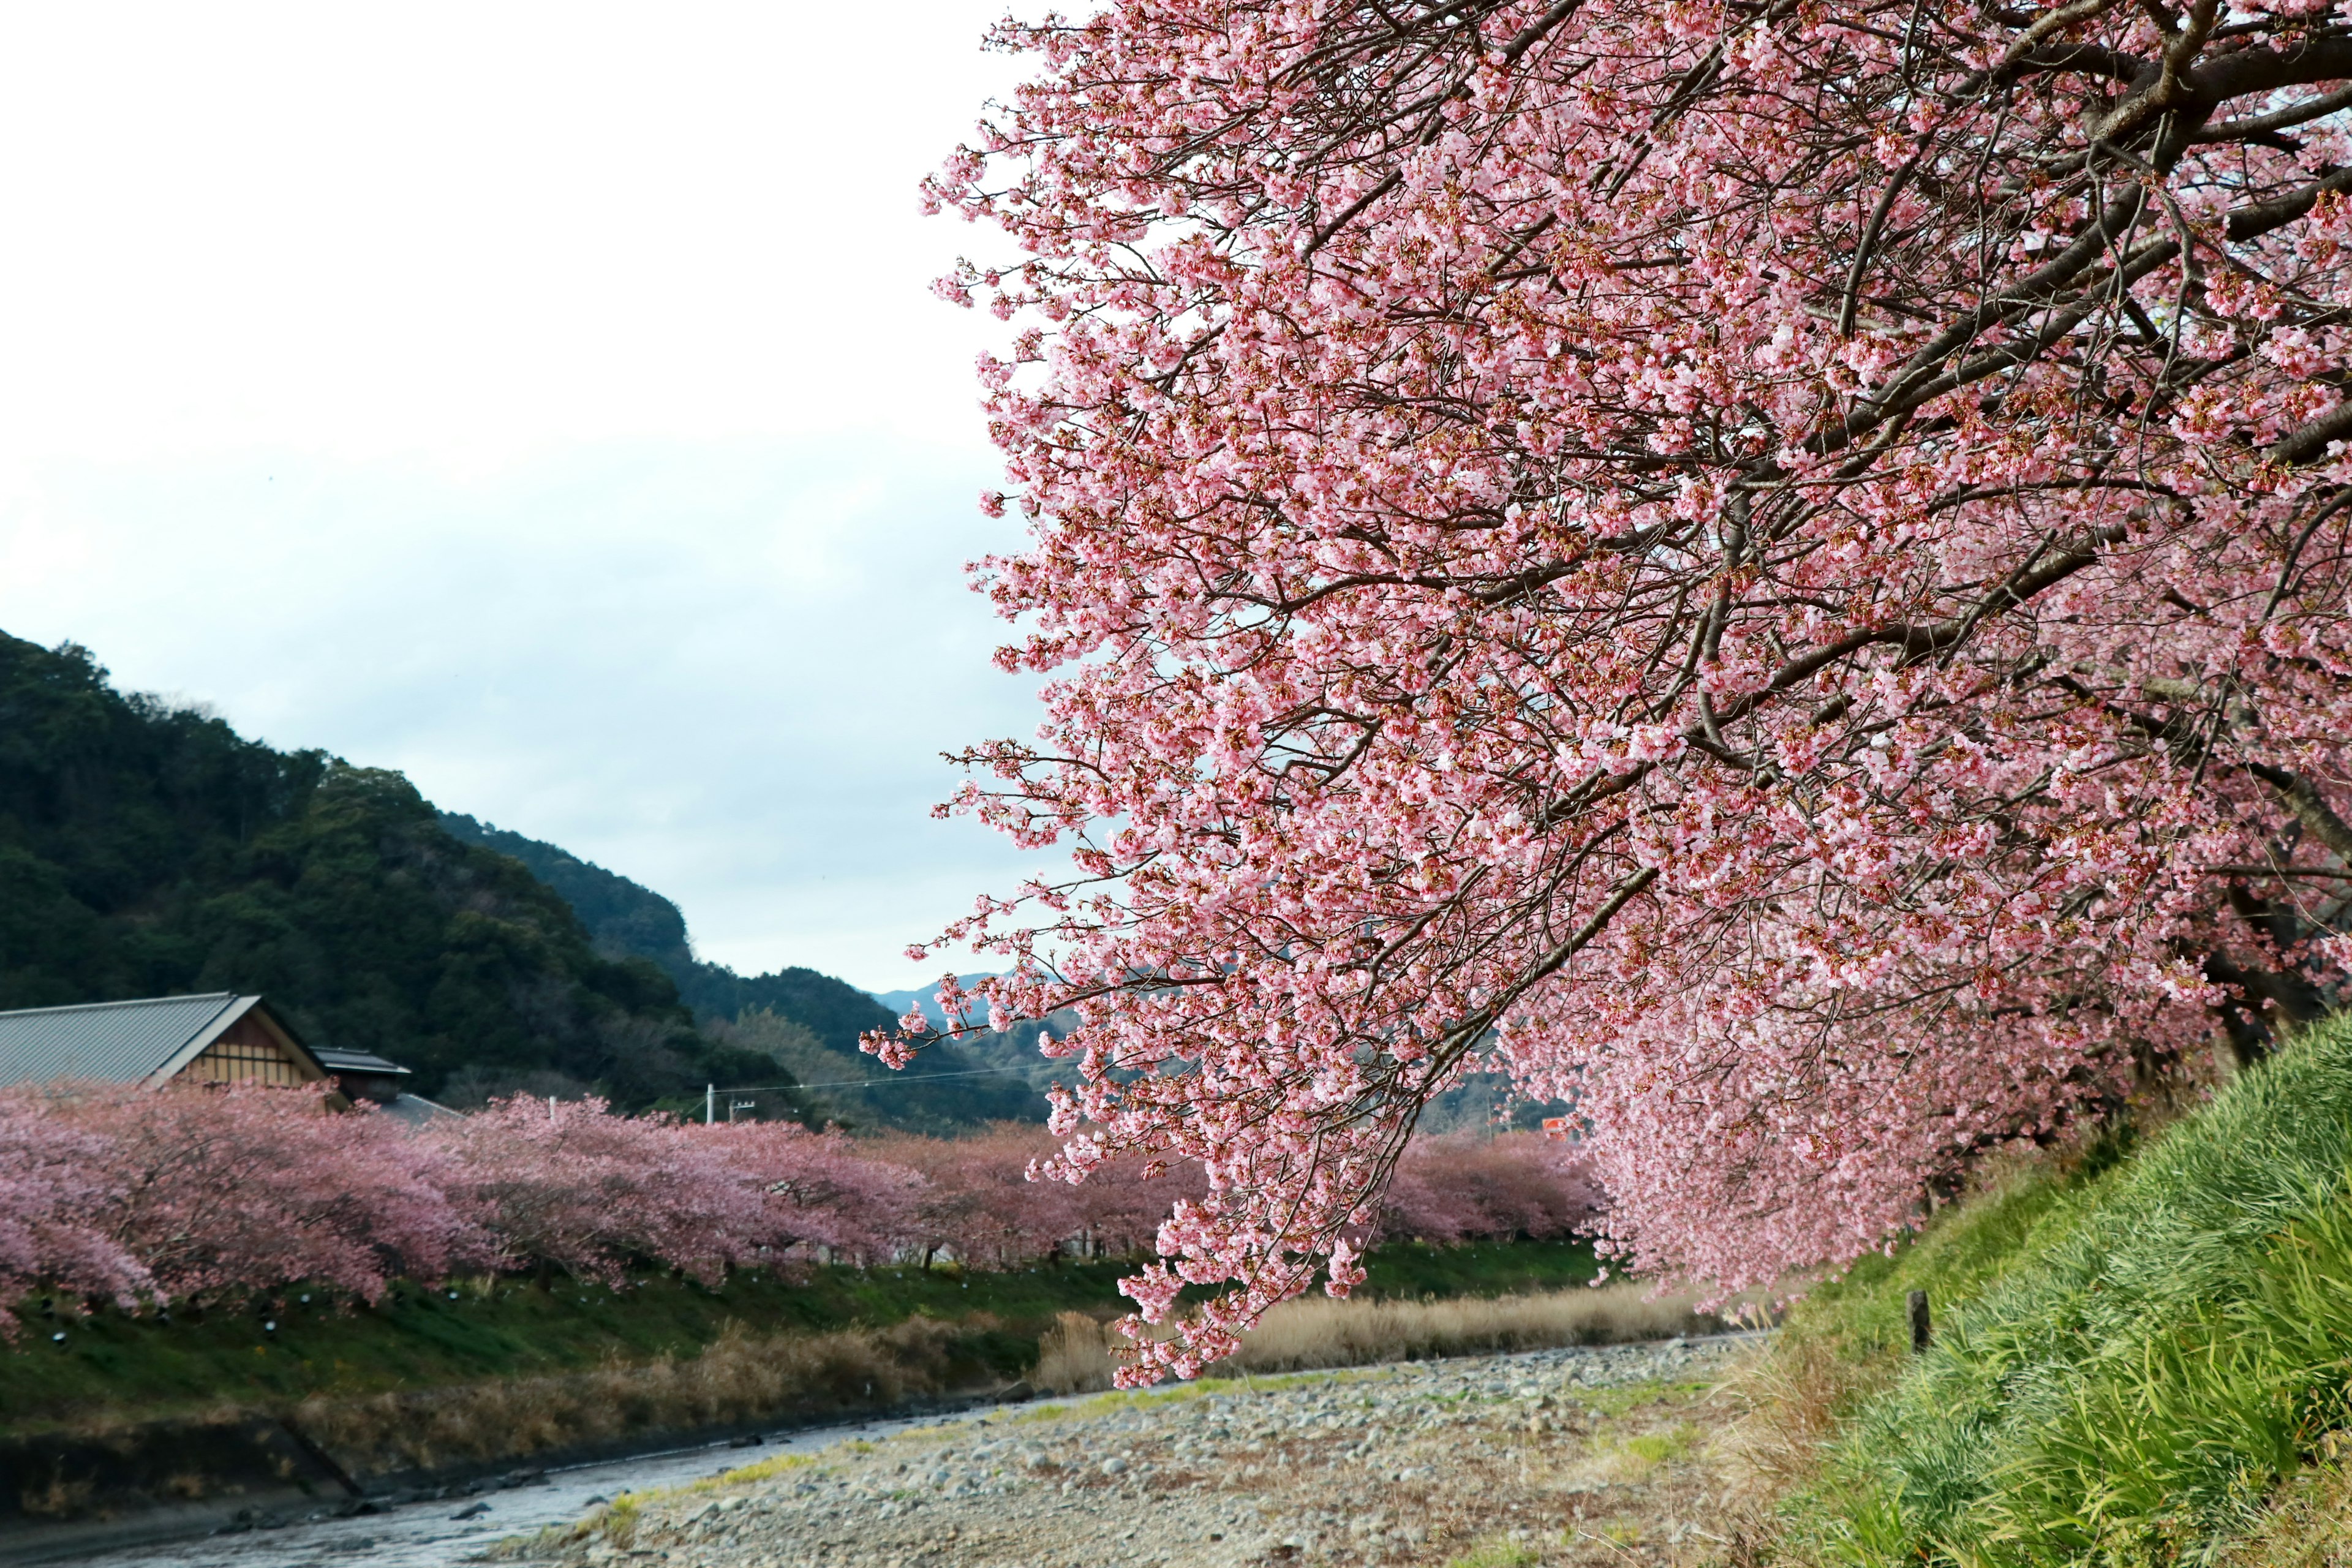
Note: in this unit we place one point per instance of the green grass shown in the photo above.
(1498, 1553)
(1653, 1449)
(2128, 1361)
(115, 1366)
(420, 1337)
(1863, 1315)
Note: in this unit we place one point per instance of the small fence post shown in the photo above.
(1922, 1327)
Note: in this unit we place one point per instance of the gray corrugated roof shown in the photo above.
(334, 1060)
(114, 1042)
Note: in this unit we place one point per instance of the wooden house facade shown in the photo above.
(220, 1038)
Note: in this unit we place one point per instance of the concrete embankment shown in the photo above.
(68, 1491)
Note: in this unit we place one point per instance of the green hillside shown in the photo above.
(2140, 1357)
(622, 919)
(146, 851)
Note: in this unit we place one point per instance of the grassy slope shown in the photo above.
(110, 1365)
(2129, 1362)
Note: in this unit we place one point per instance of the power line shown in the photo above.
(872, 1082)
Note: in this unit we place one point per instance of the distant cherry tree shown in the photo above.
(1779, 570)
(112, 1192)
(822, 1193)
(1468, 1186)
(976, 1204)
(55, 1179)
(570, 1185)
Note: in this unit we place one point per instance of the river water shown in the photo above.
(430, 1534)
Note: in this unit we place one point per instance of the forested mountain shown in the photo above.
(623, 920)
(146, 851)
(807, 1021)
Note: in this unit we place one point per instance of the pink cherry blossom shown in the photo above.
(111, 1192)
(1465, 1187)
(54, 1183)
(231, 1190)
(1778, 572)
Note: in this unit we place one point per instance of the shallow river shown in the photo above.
(428, 1535)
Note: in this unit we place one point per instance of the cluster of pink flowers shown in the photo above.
(1781, 569)
(114, 1193)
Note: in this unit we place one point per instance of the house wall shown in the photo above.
(247, 1052)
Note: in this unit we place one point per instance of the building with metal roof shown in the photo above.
(220, 1038)
(217, 1038)
(361, 1074)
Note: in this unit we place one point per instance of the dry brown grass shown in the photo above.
(1077, 1355)
(1793, 1400)
(737, 1380)
(2310, 1521)
(1073, 1356)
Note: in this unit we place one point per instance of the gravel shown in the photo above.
(1390, 1465)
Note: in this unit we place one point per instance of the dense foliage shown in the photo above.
(2127, 1366)
(112, 1192)
(622, 919)
(1781, 569)
(146, 850)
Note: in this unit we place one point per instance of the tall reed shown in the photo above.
(1078, 1354)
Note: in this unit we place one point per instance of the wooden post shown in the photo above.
(1922, 1328)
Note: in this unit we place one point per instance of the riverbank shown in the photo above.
(1578, 1456)
(202, 1419)
(2138, 1351)
(83, 1371)
(430, 1529)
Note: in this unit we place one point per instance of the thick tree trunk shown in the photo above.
(2266, 1001)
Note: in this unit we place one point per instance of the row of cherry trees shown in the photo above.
(114, 1193)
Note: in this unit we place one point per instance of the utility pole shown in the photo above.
(709, 1103)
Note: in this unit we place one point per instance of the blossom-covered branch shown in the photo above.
(1792, 560)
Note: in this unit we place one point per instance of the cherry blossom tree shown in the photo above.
(569, 1184)
(1778, 570)
(1463, 1185)
(824, 1190)
(231, 1190)
(54, 1181)
(977, 1203)
(109, 1191)
(1119, 1205)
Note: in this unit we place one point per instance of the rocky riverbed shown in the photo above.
(1578, 1456)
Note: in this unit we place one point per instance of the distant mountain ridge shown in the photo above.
(945, 1090)
(926, 998)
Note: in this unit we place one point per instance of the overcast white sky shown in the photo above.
(546, 401)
